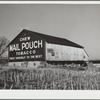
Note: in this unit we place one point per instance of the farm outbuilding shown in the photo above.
(32, 49)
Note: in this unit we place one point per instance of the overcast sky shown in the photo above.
(78, 23)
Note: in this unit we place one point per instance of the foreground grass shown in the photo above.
(49, 78)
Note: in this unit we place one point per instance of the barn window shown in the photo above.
(49, 50)
(53, 54)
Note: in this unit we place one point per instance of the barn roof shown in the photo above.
(56, 40)
(53, 39)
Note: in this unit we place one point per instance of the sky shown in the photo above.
(79, 23)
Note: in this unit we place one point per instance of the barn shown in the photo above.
(32, 49)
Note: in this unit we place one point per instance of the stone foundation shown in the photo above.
(29, 64)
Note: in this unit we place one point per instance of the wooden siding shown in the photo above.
(55, 52)
(27, 47)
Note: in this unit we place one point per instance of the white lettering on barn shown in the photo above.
(23, 57)
(25, 39)
(26, 45)
(14, 47)
(40, 44)
(26, 52)
(26, 49)
(33, 44)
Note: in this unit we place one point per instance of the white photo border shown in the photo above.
(49, 94)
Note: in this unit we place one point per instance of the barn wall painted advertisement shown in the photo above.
(27, 47)
(33, 49)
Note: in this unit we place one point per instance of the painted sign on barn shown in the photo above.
(28, 47)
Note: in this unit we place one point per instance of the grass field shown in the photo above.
(50, 78)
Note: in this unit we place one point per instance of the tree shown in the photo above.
(3, 43)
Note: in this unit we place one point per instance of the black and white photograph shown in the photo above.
(49, 47)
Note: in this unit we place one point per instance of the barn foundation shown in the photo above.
(26, 64)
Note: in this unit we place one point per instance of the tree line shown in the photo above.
(3, 48)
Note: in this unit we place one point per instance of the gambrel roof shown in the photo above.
(51, 39)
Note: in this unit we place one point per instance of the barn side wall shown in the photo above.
(55, 52)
